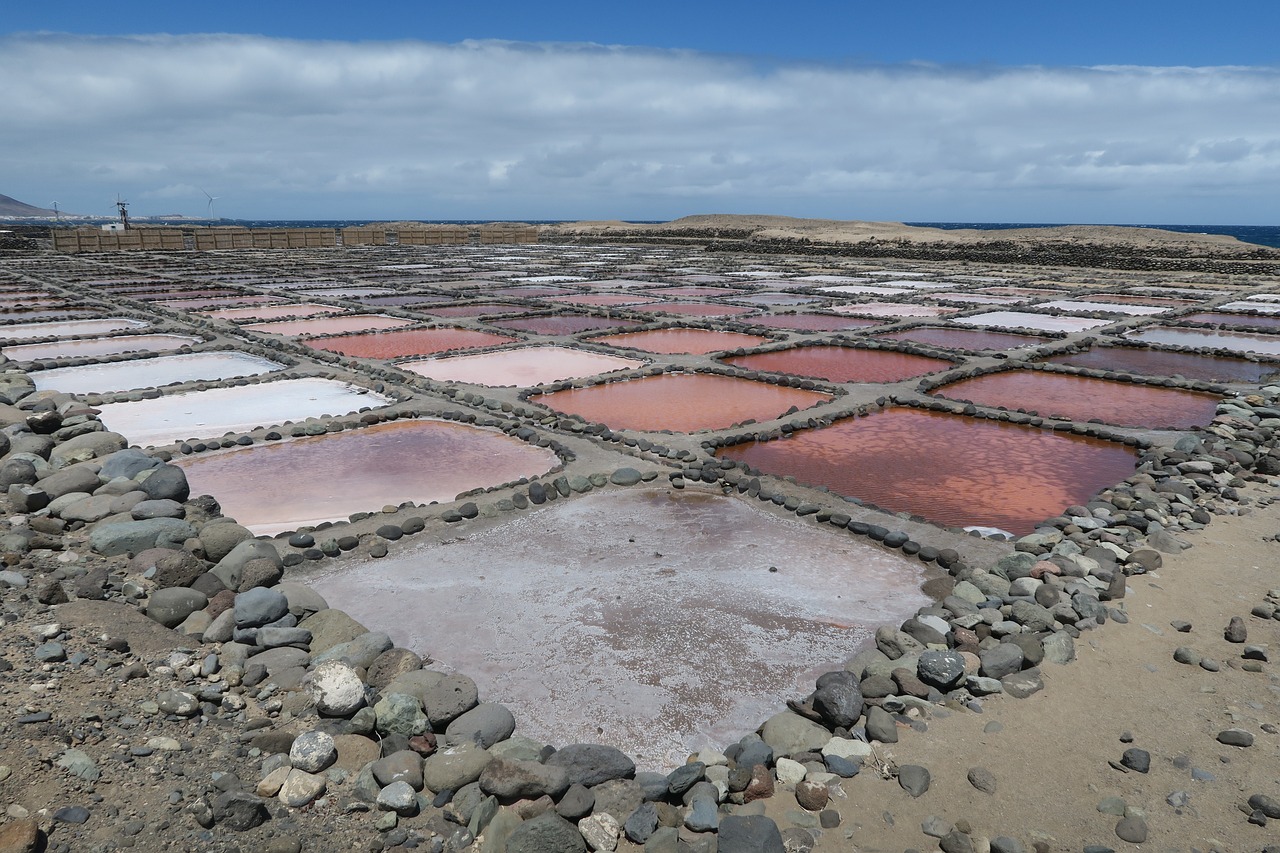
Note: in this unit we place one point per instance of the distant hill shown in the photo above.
(13, 207)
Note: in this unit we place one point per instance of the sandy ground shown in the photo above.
(1051, 751)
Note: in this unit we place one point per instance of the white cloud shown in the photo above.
(282, 128)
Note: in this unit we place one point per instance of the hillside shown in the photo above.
(13, 207)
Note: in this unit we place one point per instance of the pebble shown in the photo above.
(914, 779)
(1235, 632)
(1235, 737)
(1132, 829)
(982, 779)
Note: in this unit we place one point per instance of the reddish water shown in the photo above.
(330, 326)
(841, 364)
(963, 339)
(680, 402)
(562, 324)
(99, 346)
(1081, 398)
(282, 486)
(410, 299)
(407, 342)
(692, 341)
(700, 309)
(478, 309)
(1142, 300)
(813, 322)
(193, 304)
(1148, 362)
(270, 312)
(953, 470)
(603, 300)
(1232, 319)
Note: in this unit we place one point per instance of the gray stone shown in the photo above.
(1020, 685)
(1132, 829)
(171, 606)
(914, 779)
(330, 628)
(590, 764)
(487, 723)
(881, 726)
(360, 652)
(230, 569)
(390, 665)
(300, 788)
(112, 539)
(1059, 648)
(1235, 737)
(239, 811)
(789, 733)
(221, 538)
(178, 702)
(601, 832)
(1001, 660)
(401, 713)
(749, 834)
(1235, 632)
(398, 797)
(142, 510)
(703, 815)
(510, 780)
(165, 482)
(303, 600)
(546, 833)
(404, 765)
(313, 751)
(451, 768)
(838, 699)
(79, 478)
(577, 802)
(259, 606)
(982, 779)
(336, 689)
(941, 669)
(618, 797)
(641, 823)
(443, 696)
(625, 477)
(127, 463)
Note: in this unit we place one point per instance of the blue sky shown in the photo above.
(995, 111)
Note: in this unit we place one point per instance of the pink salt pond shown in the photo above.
(841, 364)
(680, 341)
(588, 616)
(893, 309)
(813, 322)
(953, 470)
(477, 309)
(1229, 319)
(562, 324)
(92, 347)
(1083, 398)
(680, 402)
(395, 344)
(1150, 362)
(272, 312)
(69, 328)
(1030, 320)
(271, 488)
(330, 325)
(604, 300)
(700, 309)
(1233, 341)
(963, 339)
(521, 367)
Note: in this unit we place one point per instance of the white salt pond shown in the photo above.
(1028, 320)
(212, 413)
(1233, 341)
(1103, 307)
(521, 367)
(652, 620)
(91, 347)
(68, 328)
(152, 372)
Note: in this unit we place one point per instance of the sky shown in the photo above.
(995, 111)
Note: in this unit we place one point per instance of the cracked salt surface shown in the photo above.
(649, 620)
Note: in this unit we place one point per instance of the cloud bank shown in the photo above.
(281, 128)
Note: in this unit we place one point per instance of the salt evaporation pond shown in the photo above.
(645, 619)
(1083, 398)
(813, 322)
(477, 309)
(1004, 475)
(700, 309)
(1082, 305)
(681, 341)
(91, 347)
(1150, 362)
(330, 325)
(152, 372)
(1234, 341)
(1028, 320)
(562, 324)
(407, 342)
(271, 488)
(680, 402)
(522, 366)
(271, 312)
(212, 413)
(68, 328)
(963, 339)
(841, 364)
(603, 300)
(1214, 317)
(893, 309)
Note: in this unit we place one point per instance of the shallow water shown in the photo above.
(212, 413)
(68, 328)
(1103, 307)
(603, 300)
(1234, 341)
(268, 312)
(477, 309)
(1149, 362)
(562, 324)
(1082, 398)
(91, 347)
(695, 292)
(894, 309)
(1028, 320)
(394, 344)
(674, 341)
(813, 322)
(781, 298)
(841, 364)
(875, 289)
(644, 619)
(952, 470)
(699, 309)
(521, 367)
(964, 339)
(680, 402)
(152, 372)
(271, 488)
(329, 325)
(1255, 321)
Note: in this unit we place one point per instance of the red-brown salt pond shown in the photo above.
(478, 309)
(964, 339)
(562, 324)
(1150, 362)
(680, 402)
(330, 325)
(841, 364)
(953, 470)
(813, 322)
(603, 300)
(681, 341)
(700, 309)
(289, 309)
(1083, 398)
(407, 342)
(99, 346)
(1227, 319)
(271, 488)
(521, 366)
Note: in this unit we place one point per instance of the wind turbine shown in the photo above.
(212, 199)
(56, 215)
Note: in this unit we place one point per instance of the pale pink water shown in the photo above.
(521, 367)
(99, 346)
(841, 364)
(671, 341)
(330, 325)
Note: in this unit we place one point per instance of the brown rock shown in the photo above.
(20, 836)
(423, 744)
(529, 809)
(220, 603)
(761, 785)
(392, 664)
(355, 751)
(812, 796)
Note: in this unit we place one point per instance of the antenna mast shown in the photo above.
(123, 207)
